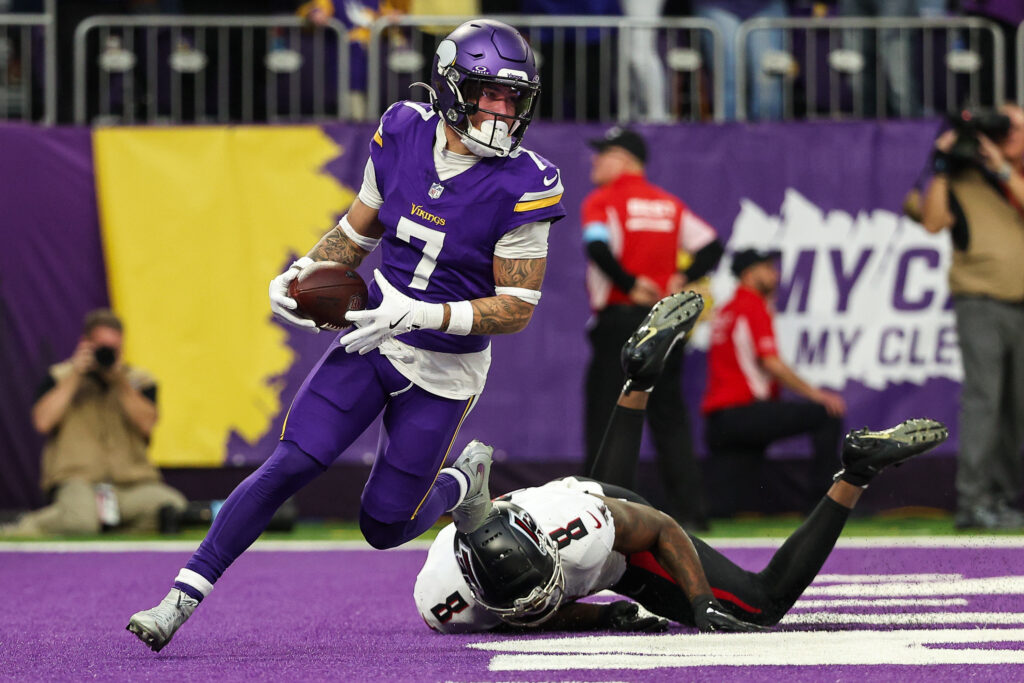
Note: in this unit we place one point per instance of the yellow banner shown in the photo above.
(196, 221)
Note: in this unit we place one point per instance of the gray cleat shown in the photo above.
(866, 453)
(475, 463)
(156, 626)
(644, 353)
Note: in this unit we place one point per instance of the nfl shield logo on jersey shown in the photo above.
(435, 190)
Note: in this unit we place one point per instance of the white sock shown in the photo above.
(463, 480)
(195, 580)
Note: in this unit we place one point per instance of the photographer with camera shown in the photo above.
(977, 193)
(97, 414)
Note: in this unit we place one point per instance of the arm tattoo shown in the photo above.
(527, 273)
(505, 314)
(502, 314)
(336, 246)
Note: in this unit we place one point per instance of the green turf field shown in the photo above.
(900, 522)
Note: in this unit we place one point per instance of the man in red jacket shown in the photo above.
(633, 231)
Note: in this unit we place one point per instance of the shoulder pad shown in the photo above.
(541, 184)
(400, 116)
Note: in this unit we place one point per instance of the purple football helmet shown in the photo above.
(478, 54)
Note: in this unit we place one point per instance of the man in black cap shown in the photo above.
(633, 231)
(742, 406)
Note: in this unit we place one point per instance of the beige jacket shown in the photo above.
(993, 263)
(95, 440)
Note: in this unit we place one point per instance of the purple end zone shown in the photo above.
(349, 615)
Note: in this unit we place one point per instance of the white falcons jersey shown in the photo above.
(578, 522)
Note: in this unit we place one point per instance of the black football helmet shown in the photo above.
(512, 567)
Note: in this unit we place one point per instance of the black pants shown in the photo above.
(667, 415)
(761, 597)
(737, 438)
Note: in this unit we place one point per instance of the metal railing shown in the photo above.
(176, 69)
(131, 69)
(864, 67)
(1020, 63)
(28, 66)
(604, 68)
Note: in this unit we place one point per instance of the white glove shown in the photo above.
(396, 315)
(282, 305)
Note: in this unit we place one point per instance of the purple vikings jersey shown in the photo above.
(439, 237)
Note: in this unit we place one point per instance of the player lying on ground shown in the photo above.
(544, 548)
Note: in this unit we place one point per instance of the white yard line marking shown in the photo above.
(816, 648)
(965, 541)
(992, 585)
(883, 602)
(902, 619)
(883, 578)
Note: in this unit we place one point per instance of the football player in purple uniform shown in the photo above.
(543, 548)
(461, 211)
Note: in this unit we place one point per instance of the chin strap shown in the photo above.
(473, 144)
(497, 134)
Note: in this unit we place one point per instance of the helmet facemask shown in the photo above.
(500, 132)
(538, 605)
(512, 567)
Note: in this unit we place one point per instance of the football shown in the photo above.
(325, 291)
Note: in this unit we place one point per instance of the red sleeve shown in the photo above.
(694, 232)
(762, 331)
(593, 209)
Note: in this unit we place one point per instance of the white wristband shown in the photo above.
(427, 316)
(460, 322)
(361, 241)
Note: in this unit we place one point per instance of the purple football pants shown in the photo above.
(340, 398)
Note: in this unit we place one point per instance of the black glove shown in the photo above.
(710, 616)
(623, 616)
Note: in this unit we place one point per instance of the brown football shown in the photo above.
(325, 291)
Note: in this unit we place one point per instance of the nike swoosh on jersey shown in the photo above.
(549, 181)
(596, 520)
(395, 324)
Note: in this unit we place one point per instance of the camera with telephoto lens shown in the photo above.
(966, 150)
(105, 356)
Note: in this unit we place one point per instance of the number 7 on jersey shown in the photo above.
(432, 239)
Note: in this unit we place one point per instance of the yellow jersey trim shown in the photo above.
(538, 203)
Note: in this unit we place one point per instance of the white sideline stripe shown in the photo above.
(313, 546)
(187, 546)
(906, 619)
(883, 602)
